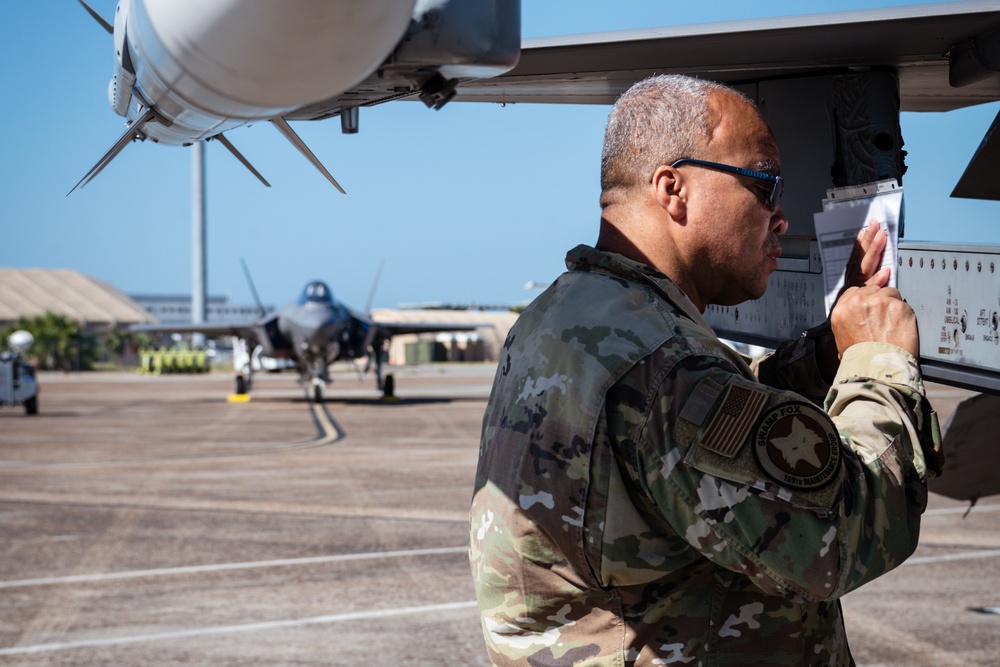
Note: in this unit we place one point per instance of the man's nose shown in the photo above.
(779, 221)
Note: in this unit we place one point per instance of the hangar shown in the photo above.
(95, 305)
(490, 334)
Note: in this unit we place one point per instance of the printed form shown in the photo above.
(845, 212)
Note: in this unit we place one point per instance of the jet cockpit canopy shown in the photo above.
(316, 292)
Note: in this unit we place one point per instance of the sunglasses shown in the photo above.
(777, 183)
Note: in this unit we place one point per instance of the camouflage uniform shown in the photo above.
(642, 499)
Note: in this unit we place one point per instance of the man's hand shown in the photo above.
(874, 314)
(862, 267)
(861, 271)
(867, 310)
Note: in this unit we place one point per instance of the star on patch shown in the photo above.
(797, 445)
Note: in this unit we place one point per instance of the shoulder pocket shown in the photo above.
(790, 449)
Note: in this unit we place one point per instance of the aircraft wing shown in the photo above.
(247, 331)
(946, 56)
(388, 329)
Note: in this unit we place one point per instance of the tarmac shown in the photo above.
(148, 521)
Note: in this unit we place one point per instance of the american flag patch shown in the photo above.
(733, 419)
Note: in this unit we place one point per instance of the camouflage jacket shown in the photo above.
(642, 498)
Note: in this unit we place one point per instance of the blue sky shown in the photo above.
(465, 205)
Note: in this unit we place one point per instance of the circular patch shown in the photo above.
(797, 445)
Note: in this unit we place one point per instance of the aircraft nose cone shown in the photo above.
(325, 341)
(327, 333)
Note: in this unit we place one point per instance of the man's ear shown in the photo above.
(669, 188)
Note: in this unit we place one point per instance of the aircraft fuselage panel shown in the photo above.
(954, 291)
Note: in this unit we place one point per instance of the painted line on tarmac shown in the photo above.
(329, 430)
(246, 627)
(218, 567)
(964, 555)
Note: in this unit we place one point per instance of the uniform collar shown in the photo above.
(585, 258)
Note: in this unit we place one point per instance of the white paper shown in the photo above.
(845, 212)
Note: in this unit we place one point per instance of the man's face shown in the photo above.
(735, 231)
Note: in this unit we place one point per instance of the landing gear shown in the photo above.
(243, 361)
(386, 385)
(317, 393)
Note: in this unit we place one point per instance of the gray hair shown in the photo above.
(657, 121)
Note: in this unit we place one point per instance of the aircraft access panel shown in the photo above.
(953, 289)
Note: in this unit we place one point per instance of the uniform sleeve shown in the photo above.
(793, 366)
(808, 504)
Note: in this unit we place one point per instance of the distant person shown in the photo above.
(643, 496)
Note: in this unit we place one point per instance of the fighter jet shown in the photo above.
(312, 333)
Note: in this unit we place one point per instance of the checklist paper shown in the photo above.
(845, 212)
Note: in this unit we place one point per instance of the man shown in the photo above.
(643, 497)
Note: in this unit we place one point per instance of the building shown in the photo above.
(176, 309)
(483, 344)
(98, 307)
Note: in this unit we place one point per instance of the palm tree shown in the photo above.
(124, 345)
(57, 339)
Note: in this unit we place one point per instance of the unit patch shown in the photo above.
(798, 445)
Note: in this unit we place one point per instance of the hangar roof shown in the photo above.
(96, 305)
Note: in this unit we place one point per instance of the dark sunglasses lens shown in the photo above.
(776, 192)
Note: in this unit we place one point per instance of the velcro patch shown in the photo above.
(733, 419)
(797, 445)
(700, 403)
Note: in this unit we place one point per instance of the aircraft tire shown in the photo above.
(31, 406)
(389, 386)
(241, 384)
(317, 394)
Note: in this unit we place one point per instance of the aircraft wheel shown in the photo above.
(317, 394)
(241, 384)
(389, 386)
(31, 406)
